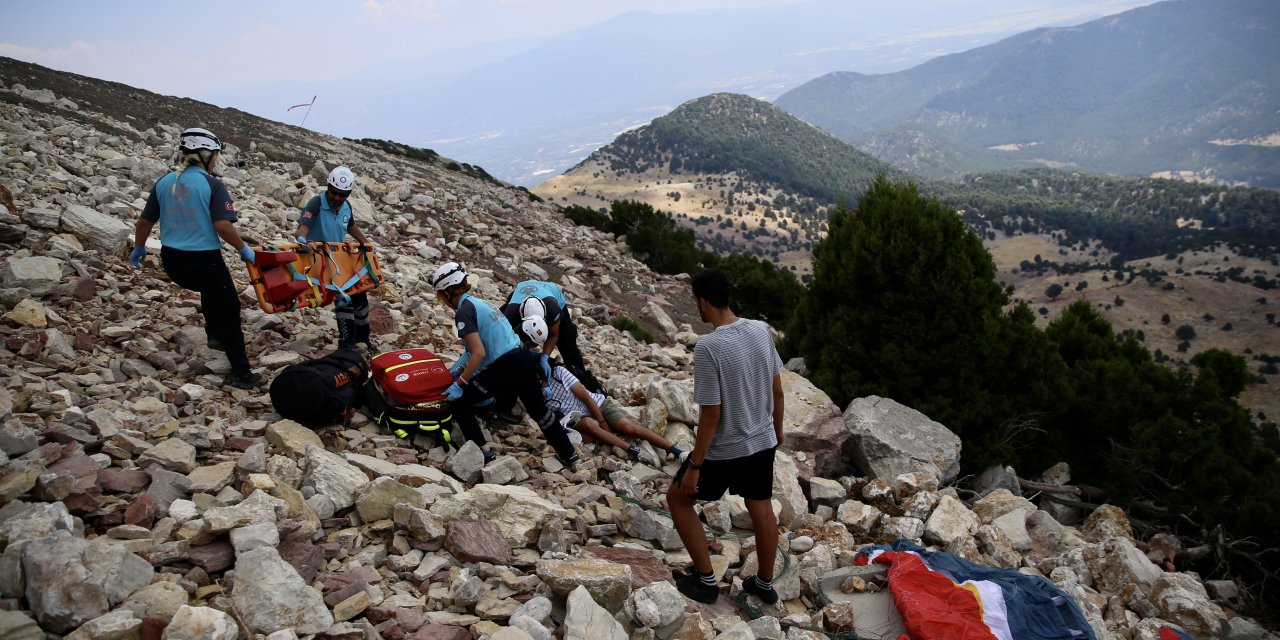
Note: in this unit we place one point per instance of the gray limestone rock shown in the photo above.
(889, 439)
(201, 623)
(270, 595)
(70, 581)
(38, 274)
(586, 620)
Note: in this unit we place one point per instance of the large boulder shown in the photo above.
(201, 623)
(332, 476)
(608, 583)
(586, 620)
(269, 595)
(891, 439)
(812, 424)
(518, 511)
(96, 230)
(1182, 600)
(676, 396)
(70, 581)
(37, 274)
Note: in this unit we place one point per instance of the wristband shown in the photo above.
(695, 465)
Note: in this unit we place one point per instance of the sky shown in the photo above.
(199, 49)
(233, 44)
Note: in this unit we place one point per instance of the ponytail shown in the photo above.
(186, 159)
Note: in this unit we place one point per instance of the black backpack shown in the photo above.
(322, 391)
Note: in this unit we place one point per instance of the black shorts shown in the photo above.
(750, 477)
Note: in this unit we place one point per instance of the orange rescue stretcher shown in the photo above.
(285, 278)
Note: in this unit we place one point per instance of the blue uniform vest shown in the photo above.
(185, 220)
(495, 332)
(330, 225)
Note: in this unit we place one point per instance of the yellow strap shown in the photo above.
(397, 366)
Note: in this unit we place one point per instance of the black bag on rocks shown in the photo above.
(322, 391)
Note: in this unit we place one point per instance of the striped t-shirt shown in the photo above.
(734, 367)
(561, 399)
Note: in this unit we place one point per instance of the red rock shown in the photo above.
(213, 557)
(306, 559)
(83, 288)
(81, 503)
(241, 443)
(153, 628)
(124, 480)
(141, 512)
(380, 320)
(646, 568)
(435, 631)
(84, 342)
(474, 540)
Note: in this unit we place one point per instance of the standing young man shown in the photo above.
(738, 387)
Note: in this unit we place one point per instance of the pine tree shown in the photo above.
(904, 304)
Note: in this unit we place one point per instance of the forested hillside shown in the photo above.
(1181, 88)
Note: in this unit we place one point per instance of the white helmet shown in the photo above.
(342, 179)
(533, 306)
(195, 139)
(449, 274)
(536, 328)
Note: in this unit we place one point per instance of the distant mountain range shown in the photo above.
(530, 109)
(751, 178)
(1185, 88)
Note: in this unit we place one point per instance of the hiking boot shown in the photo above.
(753, 586)
(245, 380)
(371, 348)
(510, 417)
(694, 588)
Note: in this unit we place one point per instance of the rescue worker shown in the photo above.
(495, 368)
(328, 218)
(196, 216)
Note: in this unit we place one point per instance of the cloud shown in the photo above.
(77, 50)
(416, 10)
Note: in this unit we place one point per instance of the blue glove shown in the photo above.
(453, 392)
(301, 240)
(136, 256)
(545, 363)
(246, 253)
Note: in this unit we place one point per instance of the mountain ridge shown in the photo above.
(1140, 93)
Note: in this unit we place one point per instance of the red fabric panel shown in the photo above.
(932, 607)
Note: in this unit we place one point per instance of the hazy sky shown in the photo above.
(196, 49)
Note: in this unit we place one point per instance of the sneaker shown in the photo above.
(570, 419)
(247, 380)
(694, 588)
(489, 456)
(633, 452)
(371, 348)
(767, 594)
(572, 463)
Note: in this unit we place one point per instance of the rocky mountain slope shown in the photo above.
(1176, 89)
(747, 177)
(141, 498)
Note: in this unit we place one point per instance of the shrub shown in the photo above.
(623, 323)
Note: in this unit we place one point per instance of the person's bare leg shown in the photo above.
(690, 529)
(589, 427)
(765, 525)
(635, 430)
